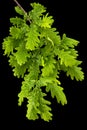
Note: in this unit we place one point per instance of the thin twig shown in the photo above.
(21, 8)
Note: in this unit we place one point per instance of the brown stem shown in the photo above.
(21, 8)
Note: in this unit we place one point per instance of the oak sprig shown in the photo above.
(38, 54)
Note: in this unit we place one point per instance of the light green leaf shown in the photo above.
(19, 11)
(17, 21)
(27, 86)
(18, 70)
(32, 39)
(36, 12)
(44, 81)
(66, 58)
(57, 91)
(46, 21)
(15, 32)
(32, 110)
(21, 54)
(51, 35)
(48, 67)
(37, 105)
(8, 45)
(69, 42)
(75, 72)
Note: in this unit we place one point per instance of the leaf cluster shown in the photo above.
(38, 54)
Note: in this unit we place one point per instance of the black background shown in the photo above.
(69, 18)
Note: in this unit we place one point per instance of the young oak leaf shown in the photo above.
(48, 67)
(27, 86)
(21, 54)
(19, 11)
(37, 105)
(69, 42)
(75, 72)
(8, 46)
(32, 110)
(57, 91)
(17, 21)
(18, 70)
(45, 110)
(51, 35)
(32, 39)
(66, 58)
(37, 11)
(46, 21)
